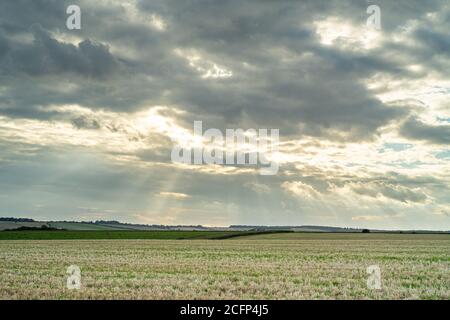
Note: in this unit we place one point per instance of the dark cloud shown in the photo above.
(399, 187)
(83, 122)
(47, 56)
(318, 91)
(395, 192)
(437, 43)
(417, 130)
(18, 16)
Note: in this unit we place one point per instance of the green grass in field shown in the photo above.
(217, 235)
(103, 234)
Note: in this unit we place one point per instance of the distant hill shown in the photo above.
(295, 228)
(110, 225)
(23, 223)
(13, 223)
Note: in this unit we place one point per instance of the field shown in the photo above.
(267, 266)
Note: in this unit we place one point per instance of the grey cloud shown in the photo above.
(17, 16)
(417, 130)
(437, 43)
(402, 188)
(47, 56)
(83, 122)
(318, 96)
(396, 192)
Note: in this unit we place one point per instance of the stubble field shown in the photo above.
(287, 266)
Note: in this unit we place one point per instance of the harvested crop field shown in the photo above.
(269, 267)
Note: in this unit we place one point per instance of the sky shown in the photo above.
(89, 117)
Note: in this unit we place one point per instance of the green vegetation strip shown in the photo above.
(94, 235)
(205, 235)
(72, 235)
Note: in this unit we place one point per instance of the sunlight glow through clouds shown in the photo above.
(120, 132)
(206, 68)
(155, 21)
(176, 195)
(337, 32)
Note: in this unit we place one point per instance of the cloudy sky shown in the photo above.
(88, 118)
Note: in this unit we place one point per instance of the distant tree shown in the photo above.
(365, 231)
(41, 228)
(17, 219)
(107, 222)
